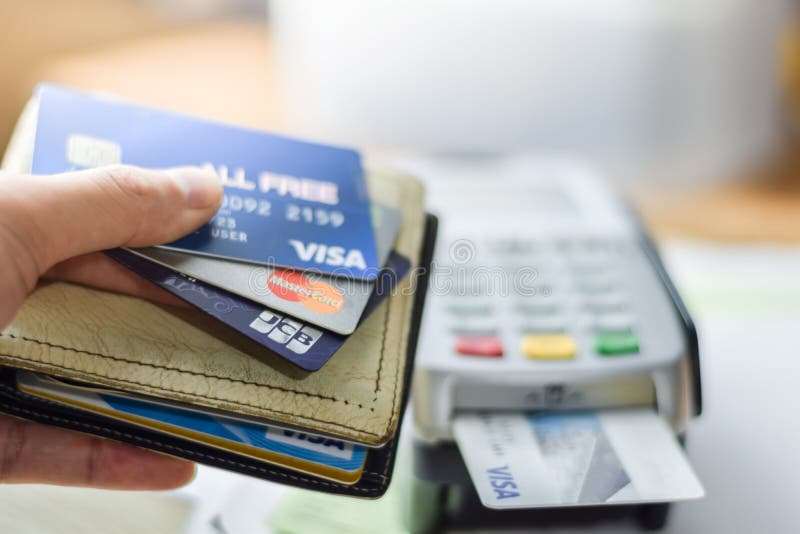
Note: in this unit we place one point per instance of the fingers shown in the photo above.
(53, 218)
(98, 270)
(31, 453)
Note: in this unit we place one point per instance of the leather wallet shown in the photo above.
(128, 344)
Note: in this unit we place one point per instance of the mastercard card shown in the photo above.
(300, 451)
(287, 202)
(302, 344)
(329, 302)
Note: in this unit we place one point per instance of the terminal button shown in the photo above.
(616, 343)
(548, 347)
(487, 346)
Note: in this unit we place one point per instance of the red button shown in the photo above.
(489, 346)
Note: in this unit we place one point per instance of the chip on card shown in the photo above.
(287, 202)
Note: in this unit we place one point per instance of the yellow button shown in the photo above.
(548, 347)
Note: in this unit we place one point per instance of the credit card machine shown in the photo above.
(546, 294)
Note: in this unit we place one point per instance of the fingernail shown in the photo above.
(201, 186)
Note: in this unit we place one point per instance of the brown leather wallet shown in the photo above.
(128, 344)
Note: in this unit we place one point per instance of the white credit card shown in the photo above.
(333, 303)
(519, 460)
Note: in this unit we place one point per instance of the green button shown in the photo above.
(616, 343)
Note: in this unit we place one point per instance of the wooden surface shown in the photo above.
(226, 72)
(35, 32)
(222, 72)
(762, 205)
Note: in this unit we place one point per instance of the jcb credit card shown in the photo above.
(301, 343)
(287, 202)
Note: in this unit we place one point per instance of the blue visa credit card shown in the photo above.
(319, 455)
(305, 345)
(287, 202)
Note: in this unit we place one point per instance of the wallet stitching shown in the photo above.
(169, 446)
(383, 353)
(377, 385)
(271, 410)
(179, 370)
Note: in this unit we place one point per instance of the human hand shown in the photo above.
(53, 227)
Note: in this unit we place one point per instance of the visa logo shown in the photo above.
(502, 482)
(327, 446)
(297, 336)
(318, 440)
(323, 254)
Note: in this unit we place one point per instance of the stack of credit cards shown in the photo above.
(297, 254)
(296, 257)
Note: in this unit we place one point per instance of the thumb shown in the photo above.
(64, 215)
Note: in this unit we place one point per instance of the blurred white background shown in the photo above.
(646, 88)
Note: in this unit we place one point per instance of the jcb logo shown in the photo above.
(297, 336)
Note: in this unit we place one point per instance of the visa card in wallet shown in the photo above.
(330, 302)
(302, 344)
(322, 456)
(287, 202)
(574, 458)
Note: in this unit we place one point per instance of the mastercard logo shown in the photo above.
(296, 287)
